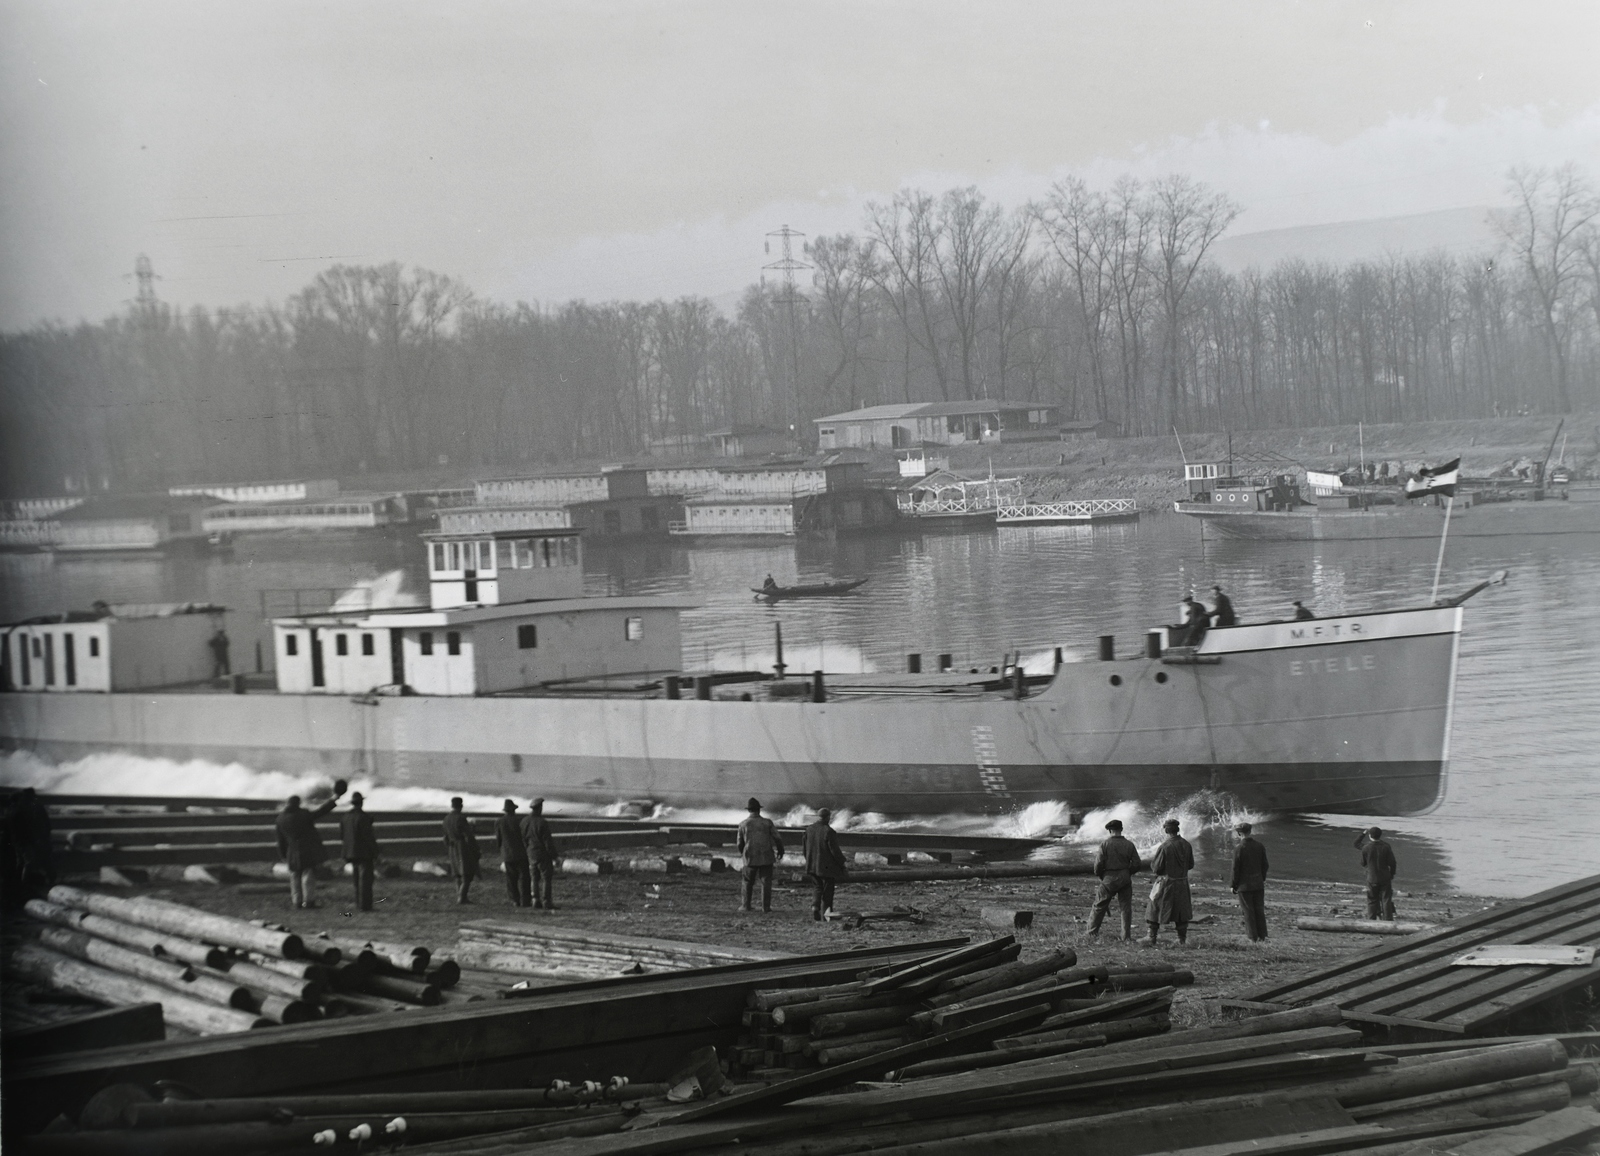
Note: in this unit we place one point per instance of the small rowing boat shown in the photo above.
(818, 590)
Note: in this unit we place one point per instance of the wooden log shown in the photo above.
(298, 968)
(1108, 1009)
(155, 943)
(974, 1061)
(362, 1004)
(393, 987)
(1315, 1016)
(937, 964)
(281, 1010)
(180, 977)
(797, 1015)
(985, 963)
(850, 1022)
(179, 920)
(970, 987)
(1432, 1101)
(406, 957)
(1555, 1132)
(1362, 926)
(834, 1053)
(1149, 981)
(1110, 1030)
(443, 973)
(64, 973)
(995, 1003)
(1453, 1072)
(139, 1023)
(273, 982)
(1096, 974)
(1548, 1098)
(184, 1113)
(891, 1033)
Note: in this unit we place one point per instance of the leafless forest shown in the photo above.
(1103, 302)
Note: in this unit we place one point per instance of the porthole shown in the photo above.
(1161, 676)
(1116, 680)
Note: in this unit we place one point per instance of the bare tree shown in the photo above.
(1188, 217)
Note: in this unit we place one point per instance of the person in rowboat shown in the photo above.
(769, 584)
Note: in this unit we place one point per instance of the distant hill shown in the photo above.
(1456, 231)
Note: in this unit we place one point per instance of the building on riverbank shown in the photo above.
(947, 423)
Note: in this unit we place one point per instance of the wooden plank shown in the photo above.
(1529, 995)
(1551, 1133)
(1361, 1017)
(1578, 894)
(1525, 955)
(134, 1024)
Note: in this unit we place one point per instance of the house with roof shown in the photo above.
(947, 423)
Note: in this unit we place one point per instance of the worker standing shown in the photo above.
(462, 846)
(513, 855)
(761, 847)
(824, 862)
(218, 642)
(1115, 865)
(1222, 613)
(1250, 883)
(540, 843)
(360, 849)
(301, 846)
(1170, 899)
(1377, 857)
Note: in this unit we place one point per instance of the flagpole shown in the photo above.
(1449, 504)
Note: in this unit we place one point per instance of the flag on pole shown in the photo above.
(1434, 480)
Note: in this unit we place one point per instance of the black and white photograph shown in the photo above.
(622, 577)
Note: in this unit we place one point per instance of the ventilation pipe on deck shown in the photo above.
(1108, 648)
(819, 693)
(913, 664)
(1152, 644)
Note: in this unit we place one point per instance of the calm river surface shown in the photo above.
(1522, 808)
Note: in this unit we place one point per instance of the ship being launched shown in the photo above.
(511, 682)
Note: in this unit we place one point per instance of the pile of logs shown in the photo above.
(545, 949)
(1069, 1007)
(213, 974)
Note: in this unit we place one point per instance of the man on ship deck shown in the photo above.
(1377, 858)
(759, 842)
(1115, 865)
(1222, 614)
(1170, 900)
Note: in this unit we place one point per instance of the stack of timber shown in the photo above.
(1415, 984)
(636, 1027)
(540, 949)
(1055, 1007)
(211, 974)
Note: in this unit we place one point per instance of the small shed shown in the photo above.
(112, 648)
(742, 441)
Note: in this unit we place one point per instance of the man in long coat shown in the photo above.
(1250, 883)
(1115, 865)
(824, 862)
(462, 846)
(360, 848)
(540, 842)
(1170, 901)
(761, 847)
(301, 846)
(1377, 859)
(514, 856)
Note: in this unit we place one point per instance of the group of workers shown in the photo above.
(1197, 619)
(1118, 861)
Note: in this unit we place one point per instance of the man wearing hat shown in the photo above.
(1115, 866)
(513, 856)
(540, 842)
(1250, 883)
(1170, 901)
(360, 849)
(301, 846)
(1377, 858)
(462, 846)
(824, 862)
(761, 847)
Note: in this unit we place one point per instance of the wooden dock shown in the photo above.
(1414, 984)
(1083, 512)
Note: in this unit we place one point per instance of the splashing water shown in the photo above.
(385, 592)
(1141, 823)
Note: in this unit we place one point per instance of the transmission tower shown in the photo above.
(145, 274)
(789, 297)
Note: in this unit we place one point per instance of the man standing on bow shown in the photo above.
(1377, 858)
(1250, 883)
(1170, 900)
(824, 862)
(462, 846)
(1222, 614)
(360, 849)
(513, 856)
(540, 842)
(761, 847)
(1115, 866)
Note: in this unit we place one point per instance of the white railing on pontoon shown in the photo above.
(1084, 509)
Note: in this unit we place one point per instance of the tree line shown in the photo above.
(1104, 302)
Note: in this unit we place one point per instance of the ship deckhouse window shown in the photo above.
(94, 648)
(527, 637)
(367, 647)
(341, 644)
(425, 641)
(438, 557)
(452, 642)
(633, 629)
(291, 644)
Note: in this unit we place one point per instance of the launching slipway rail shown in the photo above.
(511, 682)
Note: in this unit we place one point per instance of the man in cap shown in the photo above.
(1115, 865)
(1170, 901)
(301, 846)
(360, 849)
(824, 862)
(1195, 619)
(1377, 857)
(761, 847)
(540, 842)
(513, 856)
(1222, 614)
(462, 846)
(1250, 883)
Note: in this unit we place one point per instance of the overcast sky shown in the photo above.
(542, 151)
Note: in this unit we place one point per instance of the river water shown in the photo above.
(1522, 805)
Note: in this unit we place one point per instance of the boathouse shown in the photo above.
(112, 648)
(490, 519)
(742, 441)
(132, 522)
(345, 512)
(736, 516)
(293, 490)
(948, 423)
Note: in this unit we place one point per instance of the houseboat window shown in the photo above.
(69, 657)
(438, 557)
(486, 554)
(527, 637)
(825, 432)
(341, 644)
(524, 554)
(633, 629)
(38, 647)
(291, 644)
(452, 641)
(425, 641)
(23, 662)
(49, 659)
(94, 648)
(504, 554)
(367, 647)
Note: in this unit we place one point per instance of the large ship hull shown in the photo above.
(1426, 520)
(1347, 715)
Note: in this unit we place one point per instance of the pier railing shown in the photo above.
(1085, 508)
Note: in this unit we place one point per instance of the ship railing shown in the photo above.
(1082, 508)
(935, 506)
